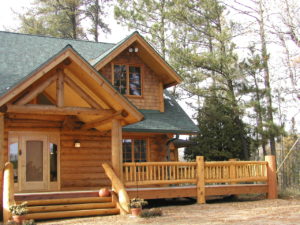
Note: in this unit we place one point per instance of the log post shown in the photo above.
(8, 191)
(60, 89)
(232, 170)
(272, 179)
(2, 151)
(200, 180)
(116, 147)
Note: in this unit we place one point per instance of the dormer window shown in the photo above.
(127, 79)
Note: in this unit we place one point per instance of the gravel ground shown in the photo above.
(233, 211)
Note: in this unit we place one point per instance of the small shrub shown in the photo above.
(19, 210)
(137, 203)
(151, 213)
(29, 222)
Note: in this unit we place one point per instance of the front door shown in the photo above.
(34, 162)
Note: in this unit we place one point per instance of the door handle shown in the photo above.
(20, 152)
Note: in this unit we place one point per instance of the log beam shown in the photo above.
(200, 180)
(95, 123)
(60, 89)
(82, 93)
(53, 110)
(36, 91)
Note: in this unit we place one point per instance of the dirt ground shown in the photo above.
(231, 211)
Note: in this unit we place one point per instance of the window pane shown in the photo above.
(135, 80)
(140, 151)
(53, 162)
(34, 161)
(13, 158)
(120, 81)
(127, 156)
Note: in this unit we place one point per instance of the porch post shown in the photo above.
(272, 179)
(116, 147)
(1, 157)
(200, 180)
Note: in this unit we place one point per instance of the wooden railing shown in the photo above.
(231, 172)
(8, 191)
(148, 173)
(235, 172)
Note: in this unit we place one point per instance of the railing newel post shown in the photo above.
(200, 180)
(272, 179)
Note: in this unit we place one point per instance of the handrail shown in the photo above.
(8, 190)
(119, 188)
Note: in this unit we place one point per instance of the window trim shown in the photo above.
(127, 65)
(132, 148)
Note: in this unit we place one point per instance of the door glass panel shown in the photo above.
(13, 158)
(53, 162)
(34, 161)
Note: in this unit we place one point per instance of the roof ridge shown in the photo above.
(45, 36)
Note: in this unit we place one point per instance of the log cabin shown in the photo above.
(67, 106)
(76, 116)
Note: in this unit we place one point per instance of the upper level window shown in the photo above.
(134, 150)
(127, 79)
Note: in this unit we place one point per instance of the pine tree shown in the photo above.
(219, 137)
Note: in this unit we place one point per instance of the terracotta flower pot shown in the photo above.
(104, 192)
(18, 219)
(136, 211)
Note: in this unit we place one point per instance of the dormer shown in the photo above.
(138, 72)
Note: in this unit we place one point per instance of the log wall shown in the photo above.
(81, 167)
(150, 98)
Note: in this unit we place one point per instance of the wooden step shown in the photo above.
(67, 201)
(75, 213)
(55, 195)
(70, 207)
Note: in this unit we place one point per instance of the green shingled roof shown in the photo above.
(173, 120)
(21, 54)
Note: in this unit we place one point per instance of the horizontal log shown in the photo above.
(161, 164)
(68, 201)
(76, 158)
(38, 117)
(71, 137)
(80, 176)
(87, 144)
(82, 170)
(77, 213)
(237, 163)
(158, 182)
(86, 133)
(53, 110)
(79, 183)
(214, 190)
(87, 164)
(53, 208)
(33, 129)
(245, 179)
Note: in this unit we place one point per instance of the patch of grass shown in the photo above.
(151, 213)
